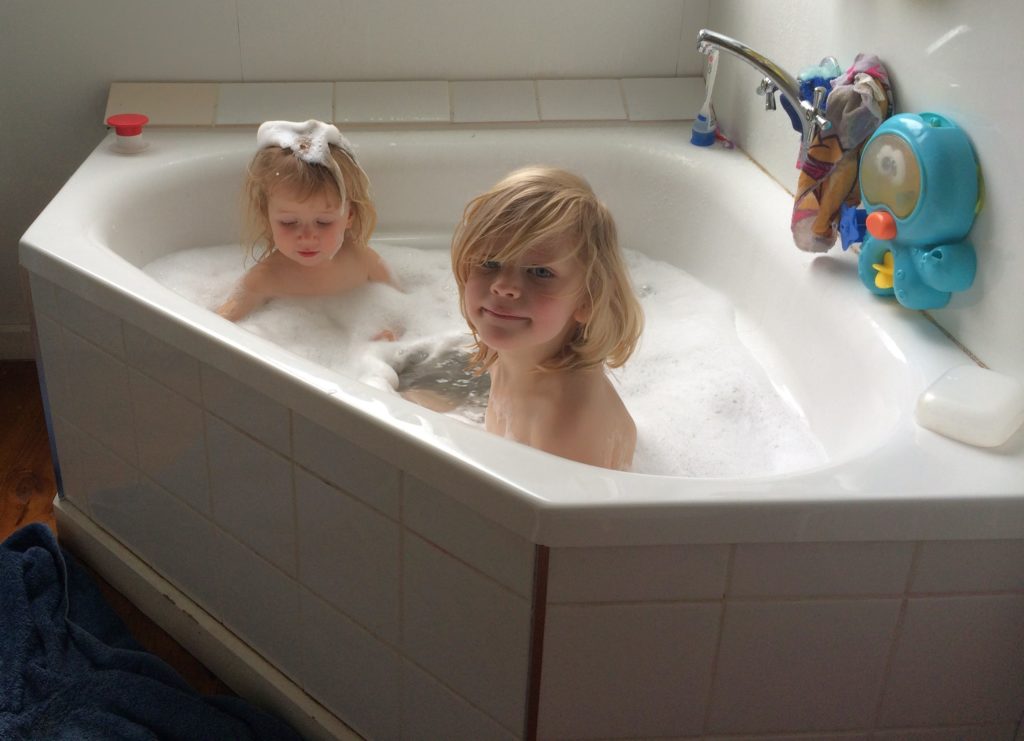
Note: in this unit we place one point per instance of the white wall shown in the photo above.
(959, 59)
(58, 58)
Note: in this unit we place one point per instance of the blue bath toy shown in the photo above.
(921, 187)
(851, 225)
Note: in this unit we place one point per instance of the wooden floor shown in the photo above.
(26, 495)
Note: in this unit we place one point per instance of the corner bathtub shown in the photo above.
(358, 562)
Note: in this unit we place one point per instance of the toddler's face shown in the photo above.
(309, 231)
(530, 305)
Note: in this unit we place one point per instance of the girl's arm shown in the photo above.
(245, 297)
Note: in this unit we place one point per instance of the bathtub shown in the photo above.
(363, 565)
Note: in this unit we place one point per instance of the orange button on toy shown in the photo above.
(881, 225)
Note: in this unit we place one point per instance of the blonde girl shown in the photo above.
(549, 302)
(309, 215)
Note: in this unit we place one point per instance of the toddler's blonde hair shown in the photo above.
(275, 167)
(534, 205)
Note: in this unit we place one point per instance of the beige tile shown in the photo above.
(958, 660)
(256, 102)
(391, 102)
(466, 630)
(493, 101)
(663, 98)
(431, 711)
(580, 100)
(463, 533)
(819, 569)
(969, 566)
(801, 666)
(610, 574)
(348, 555)
(356, 676)
(166, 103)
(636, 671)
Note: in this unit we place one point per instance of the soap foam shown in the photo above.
(702, 404)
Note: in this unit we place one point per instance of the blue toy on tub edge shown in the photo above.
(921, 187)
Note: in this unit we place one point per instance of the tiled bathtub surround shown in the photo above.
(410, 616)
(409, 102)
(371, 590)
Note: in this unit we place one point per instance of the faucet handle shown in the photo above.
(818, 101)
(813, 113)
(767, 88)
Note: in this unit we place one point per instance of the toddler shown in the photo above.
(310, 215)
(548, 299)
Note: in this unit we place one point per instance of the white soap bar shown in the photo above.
(973, 405)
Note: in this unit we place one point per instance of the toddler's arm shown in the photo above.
(245, 297)
(239, 305)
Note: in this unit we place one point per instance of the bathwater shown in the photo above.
(702, 404)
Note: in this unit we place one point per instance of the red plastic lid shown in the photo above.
(128, 124)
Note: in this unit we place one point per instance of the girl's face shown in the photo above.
(530, 306)
(311, 231)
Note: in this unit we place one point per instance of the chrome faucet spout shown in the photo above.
(810, 114)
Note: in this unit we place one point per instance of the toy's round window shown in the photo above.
(890, 176)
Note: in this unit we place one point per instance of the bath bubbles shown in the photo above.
(702, 404)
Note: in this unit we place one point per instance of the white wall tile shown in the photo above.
(663, 98)
(348, 554)
(100, 397)
(251, 411)
(801, 666)
(637, 574)
(171, 441)
(44, 296)
(88, 469)
(258, 602)
(256, 102)
(89, 321)
(347, 466)
(175, 540)
(969, 566)
(639, 670)
(352, 673)
(466, 630)
(391, 102)
(807, 569)
(57, 391)
(170, 366)
(958, 660)
(469, 537)
(579, 100)
(251, 493)
(494, 100)
(431, 711)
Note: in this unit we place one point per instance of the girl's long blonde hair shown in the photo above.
(274, 167)
(534, 205)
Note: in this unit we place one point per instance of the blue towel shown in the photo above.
(69, 668)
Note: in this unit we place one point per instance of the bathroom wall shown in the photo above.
(944, 56)
(58, 58)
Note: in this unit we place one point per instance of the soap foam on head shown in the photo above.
(702, 404)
